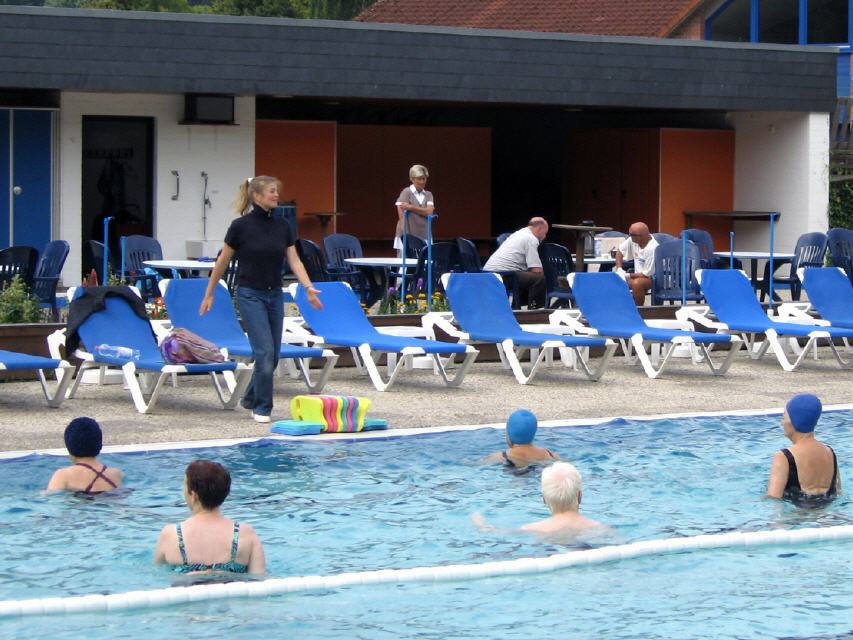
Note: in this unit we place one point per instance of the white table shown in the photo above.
(378, 272)
(181, 265)
(753, 257)
(386, 263)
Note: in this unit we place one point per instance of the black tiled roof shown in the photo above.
(105, 51)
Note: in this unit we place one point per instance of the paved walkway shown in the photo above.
(419, 399)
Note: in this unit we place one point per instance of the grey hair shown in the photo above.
(561, 486)
(417, 171)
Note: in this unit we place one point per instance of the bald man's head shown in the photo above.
(639, 232)
(539, 227)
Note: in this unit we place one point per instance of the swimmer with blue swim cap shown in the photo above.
(806, 472)
(520, 432)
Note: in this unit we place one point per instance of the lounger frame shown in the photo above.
(64, 373)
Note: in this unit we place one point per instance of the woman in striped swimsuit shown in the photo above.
(207, 541)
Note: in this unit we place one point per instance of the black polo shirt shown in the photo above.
(260, 241)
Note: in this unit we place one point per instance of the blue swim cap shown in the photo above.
(521, 427)
(804, 411)
(83, 437)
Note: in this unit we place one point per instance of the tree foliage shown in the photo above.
(335, 9)
(841, 204)
(319, 9)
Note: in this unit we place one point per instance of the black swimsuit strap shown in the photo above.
(98, 474)
(793, 482)
(831, 490)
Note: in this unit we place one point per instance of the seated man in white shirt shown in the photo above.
(639, 247)
(520, 254)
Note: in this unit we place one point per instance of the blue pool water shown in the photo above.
(328, 507)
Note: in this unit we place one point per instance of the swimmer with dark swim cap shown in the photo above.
(520, 432)
(806, 472)
(83, 439)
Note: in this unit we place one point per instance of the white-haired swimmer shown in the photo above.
(562, 492)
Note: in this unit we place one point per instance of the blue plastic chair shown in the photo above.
(445, 258)
(14, 361)
(47, 275)
(468, 256)
(840, 242)
(557, 263)
(339, 247)
(221, 326)
(831, 294)
(731, 298)
(482, 312)
(117, 324)
(502, 237)
(18, 261)
(705, 242)
(312, 259)
(341, 322)
(660, 237)
(607, 305)
(809, 251)
(138, 249)
(667, 278)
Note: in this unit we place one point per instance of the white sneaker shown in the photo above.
(259, 418)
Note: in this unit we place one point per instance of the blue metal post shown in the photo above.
(123, 243)
(731, 249)
(429, 262)
(106, 248)
(770, 268)
(403, 268)
(684, 268)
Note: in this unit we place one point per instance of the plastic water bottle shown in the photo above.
(122, 353)
(597, 247)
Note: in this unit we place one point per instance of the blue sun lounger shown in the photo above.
(117, 324)
(342, 323)
(221, 327)
(606, 304)
(830, 294)
(731, 298)
(483, 313)
(14, 361)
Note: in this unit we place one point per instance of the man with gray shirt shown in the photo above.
(520, 254)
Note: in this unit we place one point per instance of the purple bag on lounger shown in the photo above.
(182, 346)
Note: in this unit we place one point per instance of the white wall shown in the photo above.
(781, 164)
(226, 153)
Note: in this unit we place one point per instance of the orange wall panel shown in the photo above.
(697, 174)
(302, 156)
(373, 167)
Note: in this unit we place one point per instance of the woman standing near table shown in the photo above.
(260, 241)
(418, 202)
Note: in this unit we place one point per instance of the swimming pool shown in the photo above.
(330, 507)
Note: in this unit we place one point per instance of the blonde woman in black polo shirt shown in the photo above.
(260, 242)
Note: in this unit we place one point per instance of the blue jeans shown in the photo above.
(263, 315)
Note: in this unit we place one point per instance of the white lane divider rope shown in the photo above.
(277, 586)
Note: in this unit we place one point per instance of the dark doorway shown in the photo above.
(117, 181)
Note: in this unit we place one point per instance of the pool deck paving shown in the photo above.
(419, 399)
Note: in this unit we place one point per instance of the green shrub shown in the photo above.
(17, 305)
(841, 204)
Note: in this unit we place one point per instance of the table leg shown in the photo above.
(753, 271)
(580, 246)
(324, 225)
